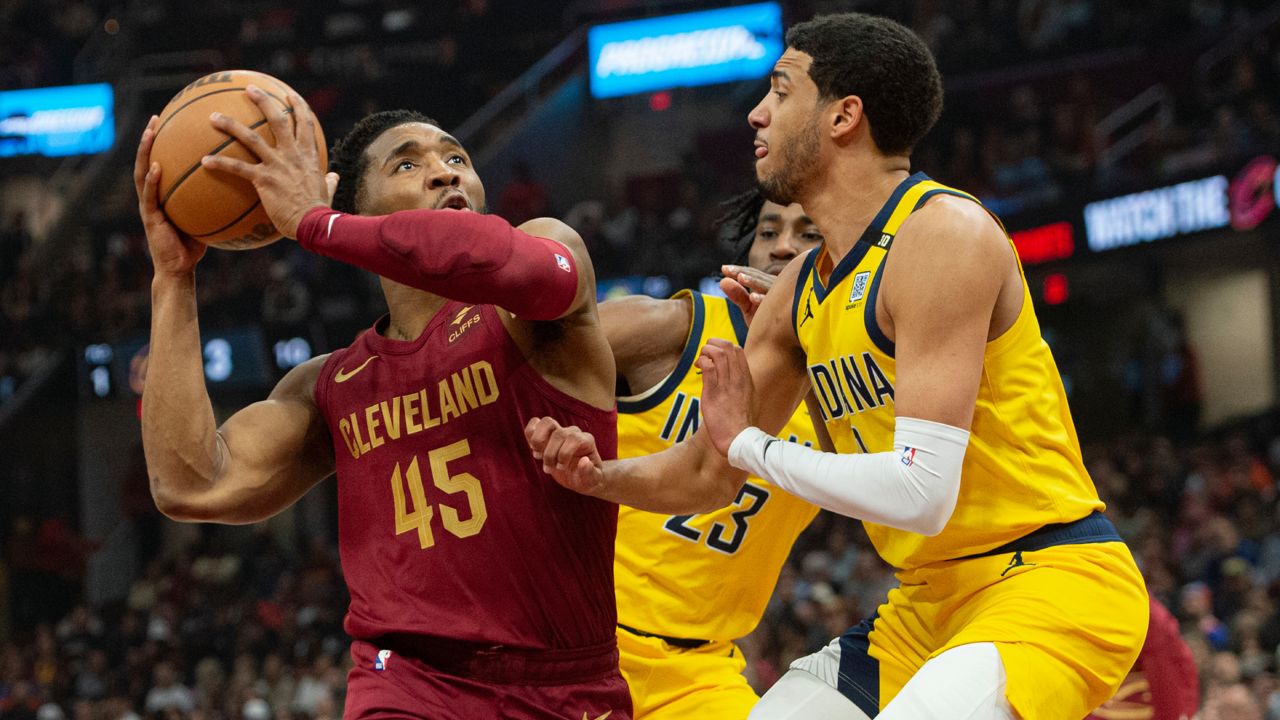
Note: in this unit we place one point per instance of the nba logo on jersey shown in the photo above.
(563, 263)
(859, 286)
(381, 663)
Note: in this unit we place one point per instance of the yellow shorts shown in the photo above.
(668, 682)
(1068, 621)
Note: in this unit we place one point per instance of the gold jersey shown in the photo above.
(706, 576)
(1023, 467)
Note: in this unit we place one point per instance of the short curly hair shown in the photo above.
(880, 61)
(347, 158)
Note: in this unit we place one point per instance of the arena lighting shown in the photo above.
(699, 48)
(1056, 289)
(1182, 209)
(1255, 191)
(57, 121)
(1056, 241)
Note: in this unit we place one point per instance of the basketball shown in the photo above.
(214, 207)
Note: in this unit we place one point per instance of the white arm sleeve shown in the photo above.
(913, 488)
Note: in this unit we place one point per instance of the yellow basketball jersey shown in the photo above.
(705, 576)
(1023, 467)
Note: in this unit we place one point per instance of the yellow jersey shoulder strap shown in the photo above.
(909, 196)
(656, 396)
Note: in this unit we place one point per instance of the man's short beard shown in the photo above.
(799, 162)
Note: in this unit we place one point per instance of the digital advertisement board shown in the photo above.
(700, 48)
(57, 121)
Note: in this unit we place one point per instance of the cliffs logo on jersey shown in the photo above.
(460, 326)
(849, 385)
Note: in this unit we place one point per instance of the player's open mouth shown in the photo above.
(454, 201)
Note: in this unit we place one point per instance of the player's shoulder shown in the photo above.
(640, 313)
(300, 382)
(953, 219)
(553, 229)
(641, 328)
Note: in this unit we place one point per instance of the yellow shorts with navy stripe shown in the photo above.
(1068, 621)
(671, 683)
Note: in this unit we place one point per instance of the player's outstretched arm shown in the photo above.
(942, 289)
(538, 272)
(646, 336)
(692, 476)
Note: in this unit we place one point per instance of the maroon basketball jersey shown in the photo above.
(448, 527)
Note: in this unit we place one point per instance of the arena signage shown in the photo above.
(699, 48)
(1056, 241)
(57, 121)
(1182, 209)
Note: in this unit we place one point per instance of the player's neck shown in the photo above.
(852, 191)
(409, 310)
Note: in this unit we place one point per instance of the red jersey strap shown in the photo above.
(460, 255)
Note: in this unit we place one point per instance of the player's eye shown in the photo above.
(766, 234)
(812, 236)
(404, 165)
(780, 95)
(457, 160)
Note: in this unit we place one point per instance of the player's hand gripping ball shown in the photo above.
(214, 207)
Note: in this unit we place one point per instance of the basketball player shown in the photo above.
(479, 587)
(689, 585)
(914, 326)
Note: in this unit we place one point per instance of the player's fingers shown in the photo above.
(304, 124)
(276, 111)
(331, 183)
(142, 161)
(538, 432)
(587, 473)
(249, 138)
(248, 171)
(570, 450)
(551, 453)
(756, 280)
(148, 196)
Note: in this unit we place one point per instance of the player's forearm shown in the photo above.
(464, 256)
(179, 433)
(680, 480)
(913, 487)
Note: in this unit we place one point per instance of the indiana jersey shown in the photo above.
(1023, 467)
(706, 576)
(447, 525)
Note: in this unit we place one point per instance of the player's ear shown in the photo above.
(844, 115)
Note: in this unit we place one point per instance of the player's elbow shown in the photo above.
(183, 507)
(172, 505)
(931, 518)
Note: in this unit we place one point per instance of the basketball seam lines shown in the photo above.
(250, 209)
(201, 97)
(197, 166)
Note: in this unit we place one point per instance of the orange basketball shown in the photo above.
(217, 208)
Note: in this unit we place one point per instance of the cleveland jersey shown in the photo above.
(447, 525)
(1023, 467)
(706, 576)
